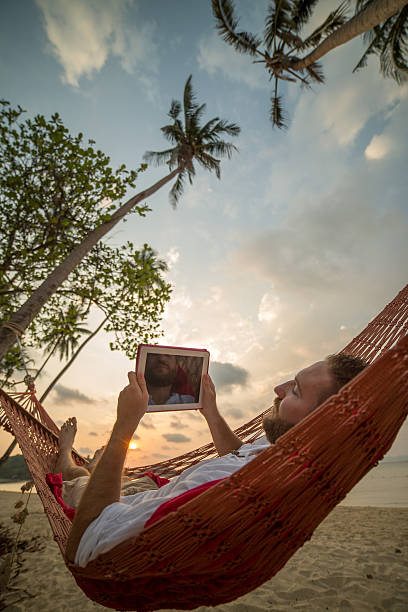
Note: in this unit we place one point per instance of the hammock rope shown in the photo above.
(238, 534)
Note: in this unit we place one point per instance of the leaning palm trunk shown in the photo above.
(25, 315)
(70, 362)
(375, 13)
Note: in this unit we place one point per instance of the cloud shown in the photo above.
(235, 413)
(84, 450)
(66, 395)
(176, 438)
(147, 424)
(172, 257)
(226, 375)
(177, 424)
(330, 246)
(84, 34)
(378, 148)
(268, 308)
(93, 433)
(135, 437)
(215, 55)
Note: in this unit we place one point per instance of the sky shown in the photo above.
(279, 263)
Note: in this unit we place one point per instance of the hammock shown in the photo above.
(239, 533)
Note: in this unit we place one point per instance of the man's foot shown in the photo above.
(67, 434)
(95, 458)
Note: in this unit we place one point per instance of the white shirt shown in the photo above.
(126, 518)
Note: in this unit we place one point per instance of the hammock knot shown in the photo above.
(29, 381)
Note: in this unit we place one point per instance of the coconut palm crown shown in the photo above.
(282, 43)
(192, 141)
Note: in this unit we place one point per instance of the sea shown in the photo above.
(384, 486)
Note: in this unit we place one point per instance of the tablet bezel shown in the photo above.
(144, 349)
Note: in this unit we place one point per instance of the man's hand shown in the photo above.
(209, 399)
(132, 402)
(224, 438)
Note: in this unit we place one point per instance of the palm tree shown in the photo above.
(282, 39)
(191, 143)
(389, 40)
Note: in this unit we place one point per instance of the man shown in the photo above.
(162, 373)
(103, 519)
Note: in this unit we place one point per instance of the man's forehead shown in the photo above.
(317, 372)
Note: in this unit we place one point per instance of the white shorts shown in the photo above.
(72, 490)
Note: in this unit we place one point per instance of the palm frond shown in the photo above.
(333, 22)
(277, 115)
(289, 38)
(374, 47)
(222, 149)
(315, 71)
(399, 46)
(173, 133)
(177, 189)
(210, 163)
(174, 158)
(158, 158)
(302, 10)
(222, 127)
(189, 102)
(191, 173)
(388, 40)
(207, 128)
(175, 109)
(278, 19)
(196, 117)
(243, 42)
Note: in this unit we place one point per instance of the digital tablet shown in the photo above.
(173, 376)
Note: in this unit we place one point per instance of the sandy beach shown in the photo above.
(357, 560)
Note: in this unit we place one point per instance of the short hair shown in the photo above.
(343, 367)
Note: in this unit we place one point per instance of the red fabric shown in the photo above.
(157, 479)
(174, 504)
(181, 384)
(54, 481)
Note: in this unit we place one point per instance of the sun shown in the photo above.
(132, 445)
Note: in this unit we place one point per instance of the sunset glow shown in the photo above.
(132, 445)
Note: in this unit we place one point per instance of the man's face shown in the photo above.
(297, 398)
(160, 370)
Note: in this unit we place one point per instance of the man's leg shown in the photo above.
(65, 463)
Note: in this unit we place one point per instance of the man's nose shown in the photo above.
(282, 390)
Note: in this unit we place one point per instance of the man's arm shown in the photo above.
(105, 481)
(224, 438)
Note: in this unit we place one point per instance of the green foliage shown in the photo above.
(192, 141)
(54, 190)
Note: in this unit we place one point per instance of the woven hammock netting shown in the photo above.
(239, 533)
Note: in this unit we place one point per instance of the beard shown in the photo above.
(155, 378)
(273, 425)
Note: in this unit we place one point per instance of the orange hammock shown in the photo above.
(238, 534)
